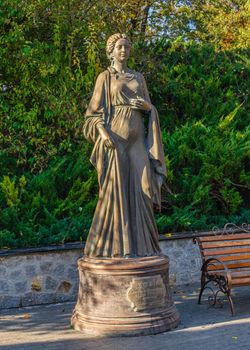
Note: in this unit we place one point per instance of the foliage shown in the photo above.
(226, 24)
(202, 97)
(51, 53)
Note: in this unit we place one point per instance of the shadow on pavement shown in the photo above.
(202, 327)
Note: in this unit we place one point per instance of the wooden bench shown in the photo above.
(226, 264)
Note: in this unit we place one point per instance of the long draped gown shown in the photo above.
(130, 175)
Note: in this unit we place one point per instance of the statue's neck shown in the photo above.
(120, 67)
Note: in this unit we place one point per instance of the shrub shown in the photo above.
(48, 188)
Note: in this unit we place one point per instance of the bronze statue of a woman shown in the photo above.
(129, 162)
(124, 283)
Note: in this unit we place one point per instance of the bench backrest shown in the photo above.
(232, 249)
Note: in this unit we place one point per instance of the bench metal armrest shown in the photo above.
(209, 262)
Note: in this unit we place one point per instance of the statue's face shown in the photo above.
(121, 50)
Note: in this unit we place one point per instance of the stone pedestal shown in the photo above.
(124, 297)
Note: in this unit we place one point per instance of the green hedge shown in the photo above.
(48, 188)
(203, 100)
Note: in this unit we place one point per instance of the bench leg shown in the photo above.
(230, 301)
(224, 288)
(203, 285)
(222, 281)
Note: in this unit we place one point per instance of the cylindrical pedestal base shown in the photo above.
(124, 297)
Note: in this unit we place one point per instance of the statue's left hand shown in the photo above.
(140, 103)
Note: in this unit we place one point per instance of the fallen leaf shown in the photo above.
(168, 234)
(26, 316)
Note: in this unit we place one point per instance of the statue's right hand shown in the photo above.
(107, 139)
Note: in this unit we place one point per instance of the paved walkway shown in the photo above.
(202, 328)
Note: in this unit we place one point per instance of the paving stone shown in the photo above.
(46, 267)
(59, 270)
(50, 283)
(38, 299)
(9, 301)
(30, 270)
(21, 287)
(4, 286)
(3, 270)
(72, 273)
(16, 275)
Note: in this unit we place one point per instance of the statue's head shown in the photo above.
(118, 47)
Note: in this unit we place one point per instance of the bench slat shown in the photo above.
(225, 244)
(216, 267)
(239, 274)
(224, 251)
(233, 257)
(225, 237)
(241, 281)
(234, 274)
(238, 280)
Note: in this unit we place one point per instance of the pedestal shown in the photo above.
(124, 297)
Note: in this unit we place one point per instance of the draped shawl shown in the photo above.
(100, 111)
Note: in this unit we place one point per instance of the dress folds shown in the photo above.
(130, 175)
